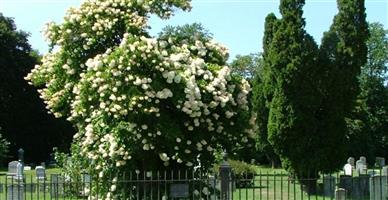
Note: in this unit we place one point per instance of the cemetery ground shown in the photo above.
(267, 183)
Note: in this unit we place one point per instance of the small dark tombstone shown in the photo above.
(21, 156)
(179, 190)
(329, 186)
(380, 162)
(360, 189)
(30, 187)
(15, 192)
(1, 188)
(56, 186)
(345, 182)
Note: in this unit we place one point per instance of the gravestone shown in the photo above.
(378, 188)
(346, 182)
(380, 162)
(15, 170)
(15, 192)
(86, 178)
(56, 189)
(179, 190)
(351, 161)
(348, 170)
(1, 188)
(384, 171)
(361, 167)
(363, 159)
(12, 168)
(329, 186)
(340, 194)
(30, 187)
(40, 172)
(360, 187)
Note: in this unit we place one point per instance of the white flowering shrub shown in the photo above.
(141, 103)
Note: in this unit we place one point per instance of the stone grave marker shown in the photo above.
(15, 192)
(378, 188)
(56, 189)
(360, 187)
(329, 186)
(363, 159)
(179, 190)
(384, 171)
(348, 169)
(351, 161)
(40, 172)
(361, 167)
(340, 194)
(345, 182)
(380, 162)
(12, 168)
(1, 188)
(30, 187)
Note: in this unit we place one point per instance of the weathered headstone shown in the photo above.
(329, 186)
(345, 182)
(361, 167)
(363, 159)
(30, 187)
(340, 194)
(378, 188)
(380, 162)
(56, 189)
(351, 161)
(40, 172)
(384, 171)
(15, 192)
(179, 190)
(12, 168)
(348, 169)
(86, 178)
(360, 187)
(15, 170)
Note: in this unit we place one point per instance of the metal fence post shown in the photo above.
(225, 175)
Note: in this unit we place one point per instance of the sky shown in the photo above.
(238, 24)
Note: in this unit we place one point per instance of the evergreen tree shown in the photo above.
(23, 116)
(368, 124)
(307, 91)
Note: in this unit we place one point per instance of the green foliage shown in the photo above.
(23, 117)
(247, 65)
(242, 172)
(4, 149)
(368, 124)
(305, 92)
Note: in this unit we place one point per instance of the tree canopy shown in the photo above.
(22, 115)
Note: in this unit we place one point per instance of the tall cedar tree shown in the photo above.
(307, 91)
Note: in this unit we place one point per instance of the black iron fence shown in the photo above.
(196, 185)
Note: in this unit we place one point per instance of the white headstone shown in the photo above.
(340, 194)
(40, 172)
(348, 169)
(385, 171)
(12, 168)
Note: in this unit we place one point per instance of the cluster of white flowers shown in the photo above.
(133, 94)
